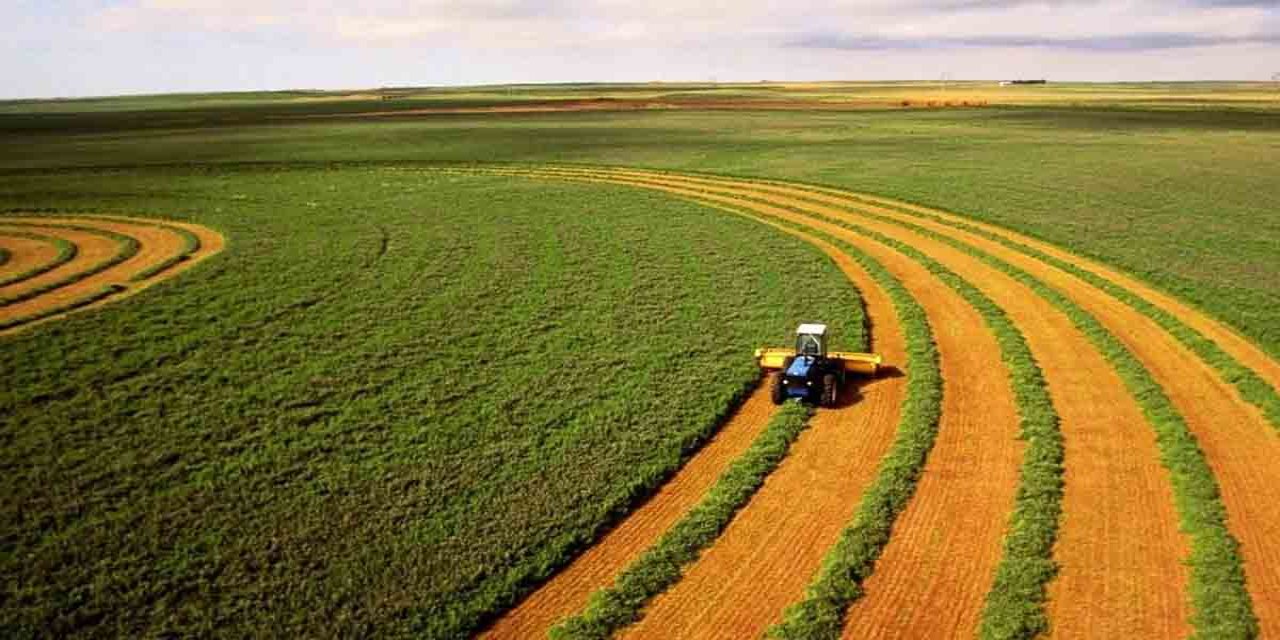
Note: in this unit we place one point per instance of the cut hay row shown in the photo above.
(1220, 605)
(36, 262)
(780, 538)
(132, 256)
(619, 604)
(1061, 346)
(126, 247)
(1198, 406)
(566, 592)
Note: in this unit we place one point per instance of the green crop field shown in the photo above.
(401, 398)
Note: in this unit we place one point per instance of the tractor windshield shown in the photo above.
(808, 345)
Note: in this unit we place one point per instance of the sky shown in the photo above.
(66, 48)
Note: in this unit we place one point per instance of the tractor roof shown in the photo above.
(810, 328)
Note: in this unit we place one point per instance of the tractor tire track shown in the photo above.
(1114, 479)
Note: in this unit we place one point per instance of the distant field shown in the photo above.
(443, 355)
(1179, 196)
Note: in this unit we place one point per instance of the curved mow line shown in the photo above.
(1030, 543)
(193, 251)
(1223, 606)
(190, 243)
(895, 480)
(66, 253)
(1255, 386)
(128, 247)
(1249, 382)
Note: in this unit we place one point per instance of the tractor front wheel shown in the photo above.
(830, 390)
(777, 388)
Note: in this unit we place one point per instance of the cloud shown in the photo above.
(1111, 43)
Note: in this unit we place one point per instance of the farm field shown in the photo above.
(455, 374)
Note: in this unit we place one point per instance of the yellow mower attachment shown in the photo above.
(810, 373)
(861, 363)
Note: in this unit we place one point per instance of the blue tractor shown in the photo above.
(809, 373)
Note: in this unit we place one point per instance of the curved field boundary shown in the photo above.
(190, 246)
(148, 252)
(753, 540)
(1223, 605)
(126, 247)
(1081, 393)
(1239, 362)
(1018, 591)
(618, 605)
(567, 591)
(35, 265)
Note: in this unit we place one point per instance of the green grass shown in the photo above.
(1181, 198)
(395, 402)
(614, 607)
(127, 248)
(66, 253)
(264, 443)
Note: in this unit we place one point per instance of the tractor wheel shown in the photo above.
(777, 388)
(830, 390)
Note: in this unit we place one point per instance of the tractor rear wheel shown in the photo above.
(830, 390)
(777, 388)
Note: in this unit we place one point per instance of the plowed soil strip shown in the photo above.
(25, 253)
(156, 245)
(566, 593)
(1130, 581)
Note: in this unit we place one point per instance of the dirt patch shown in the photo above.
(156, 244)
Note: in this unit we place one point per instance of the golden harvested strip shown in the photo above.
(765, 557)
(25, 253)
(566, 592)
(1235, 437)
(155, 245)
(91, 250)
(1128, 581)
(1240, 348)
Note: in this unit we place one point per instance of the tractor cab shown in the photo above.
(811, 340)
(809, 372)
